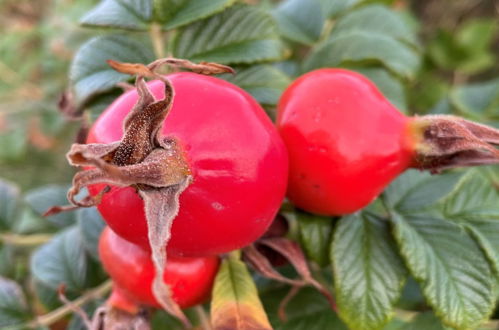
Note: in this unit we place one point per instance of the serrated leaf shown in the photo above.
(235, 303)
(455, 276)
(474, 205)
(91, 225)
(478, 99)
(300, 20)
(391, 87)
(91, 75)
(365, 47)
(264, 82)
(175, 13)
(13, 307)
(415, 191)
(241, 34)
(368, 272)
(375, 19)
(9, 203)
(62, 261)
(41, 199)
(121, 14)
(315, 234)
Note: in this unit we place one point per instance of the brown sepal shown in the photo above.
(445, 141)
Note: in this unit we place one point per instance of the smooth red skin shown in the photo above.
(132, 271)
(345, 141)
(236, 156)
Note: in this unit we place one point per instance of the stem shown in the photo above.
(203, 317)
(157, 40)
(59, 313)
(25, 240)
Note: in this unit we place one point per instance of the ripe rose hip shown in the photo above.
(132, 272)
(347, 142)
(236, 158)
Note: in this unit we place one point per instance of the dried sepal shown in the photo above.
(446, 141)
(110, 318)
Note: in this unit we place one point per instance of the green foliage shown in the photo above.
(438, 234)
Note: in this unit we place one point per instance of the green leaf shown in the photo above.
(235, 303)
(391, 87)
(264, 82)
(300, 20)
(478, 99)
(41, 199)
(455, 276)
(9, 203)
(91, 225)
(8, 261)
(176, 13)
(333, 8)
(474, 205)
(368, 272)
(376, 19)
(90, 74)
(241, 34)
(13, 307)
(13, 145)
(315, 236)
(476, 35)
(415, 191)
(120, 14)
(365, 47)
(62, 261)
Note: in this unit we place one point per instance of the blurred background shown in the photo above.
(38, 39)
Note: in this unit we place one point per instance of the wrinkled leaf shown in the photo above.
(42, 198)
(91, 75)
(478, 99)
(13, 307)
(375, 19)
(62, 261)
(315, 234)
(121, 14)
(241, 34)
(368, 272)
(91, 225)
(455, 276)
(235, 303)
(176, 13)
(365, 47)
(300, 20)
(9, 203)
(474, 206)
(264, 82)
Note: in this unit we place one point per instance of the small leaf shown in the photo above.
(454, 274)
(478, 99)
(377, 19)
(315, 236)
(391, 87)
(241, 34)
(91, 225)
(415, 191)
(41, 199)
(9, 203)
(175, 13)
(264, 82)
(333, 8)
(365, 47)
(476, 35)
(121, 14)
(300, 20)
(474, 206)
(235, 303)
(91, 75)
(62, 261)
(369, 274)
(13, 307)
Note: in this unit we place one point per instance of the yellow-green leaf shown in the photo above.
(235, 304)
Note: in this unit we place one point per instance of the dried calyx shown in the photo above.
(155, 165)
(444, 141)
